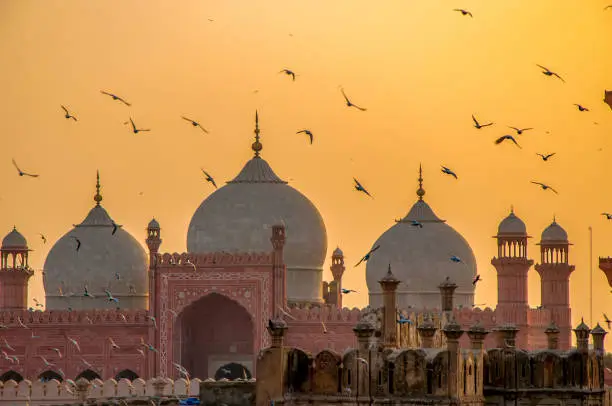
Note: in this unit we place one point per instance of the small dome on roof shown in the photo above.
(338, 252)
(512, 225)
(554, 232)
(14, 239)
(153, 224)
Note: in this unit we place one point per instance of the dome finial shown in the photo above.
(420, 190)
(511, 209)
(98, 196)
(256, 146)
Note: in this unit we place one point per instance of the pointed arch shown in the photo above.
(11, 375)
(126, 374)
(49, 375)
(89, 375)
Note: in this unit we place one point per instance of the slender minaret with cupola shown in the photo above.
(14, 272)
(555, 270)
(512, 265)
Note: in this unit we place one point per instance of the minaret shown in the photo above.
(512, 267)
(153, 242)
(334, 290)
(555, 271)
(14, 272)
(389, 287)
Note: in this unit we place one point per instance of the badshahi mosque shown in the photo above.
(252, 272)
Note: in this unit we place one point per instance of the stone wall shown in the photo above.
(229, 393)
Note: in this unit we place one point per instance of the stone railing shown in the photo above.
(53, 392)
(213, 259)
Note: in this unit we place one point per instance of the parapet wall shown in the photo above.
(54, 392)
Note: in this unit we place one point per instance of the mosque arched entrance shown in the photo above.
(212, 332)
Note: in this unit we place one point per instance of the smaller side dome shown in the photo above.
(14, 239)
(338, 252)
(512, 225)
(554, 233)
(153, 225)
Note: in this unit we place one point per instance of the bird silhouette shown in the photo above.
(181, 370)
(478, 125)
(608, 98)
(416, 223)
(67, 114)
(607, 320)
(115, 97)
(519, 131)
(44, 360)
(137, 130)
(449, 172)
(476, 280)
(110, 297)
(78, 242)
(547, 156)
(455, 259)
(147, 346)
(347, 291)
(58, 352)
(359, 187)
(507, 137)
(367, 256)
(308, 133)
(608, 216)
(22, 173)
(113, 344)
(140, 351)
(607, 7)
(86, 293)
(463, 12)
(209, 178)
(402, 320)
(284, 312)
(20, 323)
(544, 186)
(7, 345)
(581, 107)
(75, 343)
(289, 73)
(154, 320)
(548, 72)
(349, 103)
(195, 124)
(115, 226)
(44, 239)
(324, 327)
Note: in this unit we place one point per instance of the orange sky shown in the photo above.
(420, 69)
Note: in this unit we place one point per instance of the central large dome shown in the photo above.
(238, 218)
(419, 248)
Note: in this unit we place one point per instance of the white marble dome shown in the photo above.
(14, 239)
(238, 218)
(104, 261)
(512, 226)
(420, 258)
(554, 233)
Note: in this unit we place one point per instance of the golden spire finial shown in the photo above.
(256, 146)
(420, 190)
(98, 196)
(511, 209)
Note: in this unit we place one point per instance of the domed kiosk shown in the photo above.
(100, 256)
(238, 216)
(419, 248)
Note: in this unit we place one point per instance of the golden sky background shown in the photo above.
(420, 69)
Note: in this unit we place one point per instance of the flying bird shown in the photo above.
(110, 297)
(519, 131)
(58, 352)
(347, 291)
(86, 293)
(324, 328)
(67, 114)
(6, 344)
(147, 346)
(209, 178)
(20, 322)
(608, 216)
(284, 312)
(416, 223)
(478, 125)
(608, 98)
(113, 344)
(308, 133)
(137, 130)
(140, 351)
(22, 173)
(43, 238)
(152, 318)
(581, 107)
(547, 156)
(544, 186)
(449, 172)
(44, 360)
(75, 343)
(548, 72)
(607, 320)
(115, 226)
(367, 256)
(115, 97)
(78, 242)
(476, 280)
(349, 103)
(456, 259)
(289, 73)
(463, 12)
(195, 124)
(507, 137)
(607, 7)
(360, 188)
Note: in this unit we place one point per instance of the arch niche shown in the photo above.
(212, 332)
(7, 376)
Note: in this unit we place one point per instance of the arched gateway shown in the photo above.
(212, 332)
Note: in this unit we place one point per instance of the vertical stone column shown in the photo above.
(453, 332)
(389, 287)
(552, 336)
(507, 335)
(598, 334)
(277, 329)
(427, 331)
(582, 336)
(363, 331)
(447, 292)
(477, 334)
(82, 389)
